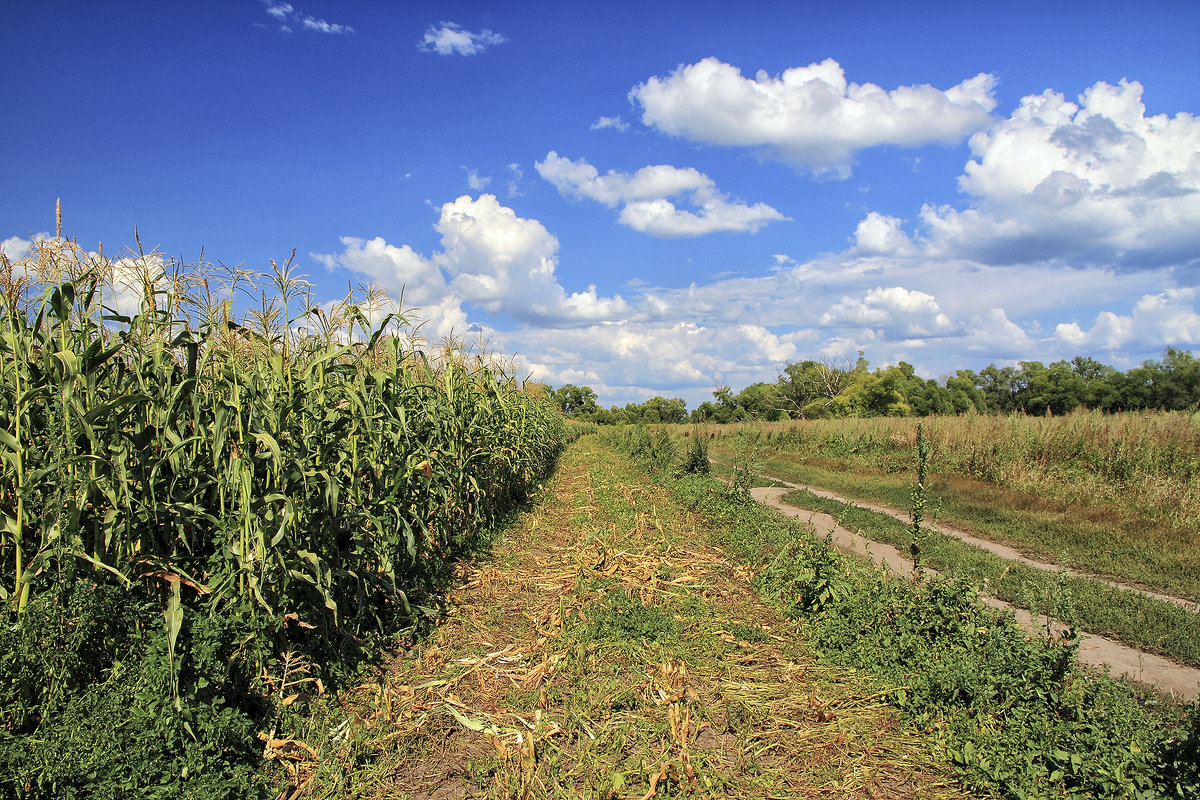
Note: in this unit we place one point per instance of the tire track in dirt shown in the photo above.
(1096, 651)
(1002, 550)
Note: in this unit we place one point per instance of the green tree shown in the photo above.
(760, 401)
(878, 394)
(576, 401)
(1100, 383)
(966, 396)
(928, 397)
(727, 407)
(670, 411)
(999, 386)
(1056, 389)
(705, 412)
(1174, 381)
(810, 388)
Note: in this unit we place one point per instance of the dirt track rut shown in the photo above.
(1002, 550)
(1098, 651)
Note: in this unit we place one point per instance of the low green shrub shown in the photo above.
(619, 616)
(86, 691)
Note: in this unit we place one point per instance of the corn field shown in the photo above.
(307, 469)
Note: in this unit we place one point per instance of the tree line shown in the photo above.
(816, 389)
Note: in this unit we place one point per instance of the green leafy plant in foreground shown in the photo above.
(1135, 619)
(920, 501)
(620, 616)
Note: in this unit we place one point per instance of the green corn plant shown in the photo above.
(308, 484)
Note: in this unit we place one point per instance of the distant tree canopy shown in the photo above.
(841, 388)
(575, 401)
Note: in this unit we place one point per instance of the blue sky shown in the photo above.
(647, 198)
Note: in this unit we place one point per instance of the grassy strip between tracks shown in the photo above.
(1106, 540)
(1132, 618)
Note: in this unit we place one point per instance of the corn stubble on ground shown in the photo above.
(606, 650)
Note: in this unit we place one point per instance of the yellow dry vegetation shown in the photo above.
(608, 650)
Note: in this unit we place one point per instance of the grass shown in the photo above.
(612, 647)
(1134, 619)
(609, 649)
(1016, 715)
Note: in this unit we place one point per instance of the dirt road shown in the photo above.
(1002, 550)
(1098, 651)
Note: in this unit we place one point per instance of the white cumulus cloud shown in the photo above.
(674, 358)
(1093, 182)
(1079, 236)
(810, 116)
(1164, 318)
(15, 248)
(994, 334)
(450, 39)
(502, 262)
(396, 268)
(647, 198)
(125, 289)
(879, 234)
(900, 312)
(490, 258)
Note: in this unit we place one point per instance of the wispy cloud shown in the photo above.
(449, 39)
(475, 181)
(289, 18)
(616, 123)
(514, 181)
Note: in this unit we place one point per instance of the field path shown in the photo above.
(607, 649)
(1002, 550)
(1098, 651)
